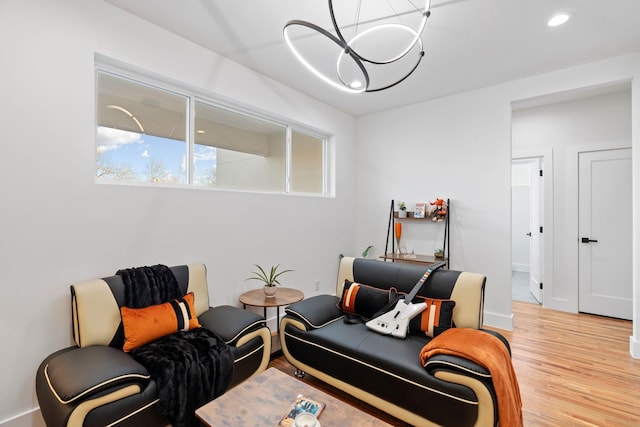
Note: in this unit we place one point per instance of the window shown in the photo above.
(248, 153)
(307, 163)
(140, 132)
(146, 133)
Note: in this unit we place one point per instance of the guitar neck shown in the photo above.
(430, 269)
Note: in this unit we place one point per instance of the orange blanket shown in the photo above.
(488, 351)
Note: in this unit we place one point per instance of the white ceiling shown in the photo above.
(468, 43)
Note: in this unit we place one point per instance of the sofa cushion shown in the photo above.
(117, 370)
(143, 325)
(316, 311)
(435, 319)
(465, 288)
(363, 300)
(229, 323)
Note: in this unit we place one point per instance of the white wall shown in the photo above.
(460, 147)
(600, 122)
(453, 148)
(57, 226)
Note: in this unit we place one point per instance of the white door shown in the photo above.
(536, 229)
(604, 224)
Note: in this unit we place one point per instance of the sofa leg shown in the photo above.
(299, 373)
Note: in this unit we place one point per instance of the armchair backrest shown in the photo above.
(466, 289)
(95, 305)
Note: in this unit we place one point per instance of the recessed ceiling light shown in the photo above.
(200, 131)
(558, 19)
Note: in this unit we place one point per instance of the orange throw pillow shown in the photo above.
(143, 325)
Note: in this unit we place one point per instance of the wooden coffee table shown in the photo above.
(264, 399)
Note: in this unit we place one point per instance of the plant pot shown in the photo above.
(402, 214)
(269, 291)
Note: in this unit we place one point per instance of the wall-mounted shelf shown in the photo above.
(415, 258)
(410, 217)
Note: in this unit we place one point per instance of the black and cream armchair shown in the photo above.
(96, 383)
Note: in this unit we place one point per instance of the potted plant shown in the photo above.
(270, 280)
(402, 210)
(438, 253)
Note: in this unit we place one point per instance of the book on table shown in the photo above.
(301, 404)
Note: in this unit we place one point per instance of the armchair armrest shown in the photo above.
(230, 323)
(316, 311)
(81, 373)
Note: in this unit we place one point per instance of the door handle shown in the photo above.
(529, 234)
(587, 240)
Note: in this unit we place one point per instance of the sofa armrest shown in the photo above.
(230, 323)
(316, 311)
(459, 365)
(500, 337)
(82, 372)
(458, 370)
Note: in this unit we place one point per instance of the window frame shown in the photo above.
(116, 69)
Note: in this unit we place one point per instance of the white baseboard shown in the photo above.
(634, 347)
(524, 268)
(561, 304)
(31, 418)
(499, 320)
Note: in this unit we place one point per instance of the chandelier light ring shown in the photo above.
(344, 48)
(416, 37)
(348, 51)
(371, 30)
(420, 55)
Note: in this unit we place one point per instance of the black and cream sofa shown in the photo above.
(319, 337)
(95, 383)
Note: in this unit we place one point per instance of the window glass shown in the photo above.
(235, 151)
(140, 132)
(307, 163)
(149, 131)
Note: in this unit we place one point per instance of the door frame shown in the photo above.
(546, 154)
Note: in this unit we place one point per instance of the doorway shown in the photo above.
(527, 246)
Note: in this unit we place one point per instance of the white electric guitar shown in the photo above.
(396, 321)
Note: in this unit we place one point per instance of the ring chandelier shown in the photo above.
(352, 59)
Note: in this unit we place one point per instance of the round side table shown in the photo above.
(284, 296)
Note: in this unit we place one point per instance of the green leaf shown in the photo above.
(270, 279)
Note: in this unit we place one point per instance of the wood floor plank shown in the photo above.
(573, 370)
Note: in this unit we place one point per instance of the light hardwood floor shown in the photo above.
(573, 370)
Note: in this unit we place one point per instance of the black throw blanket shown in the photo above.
(190, 368)
(145, 286)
